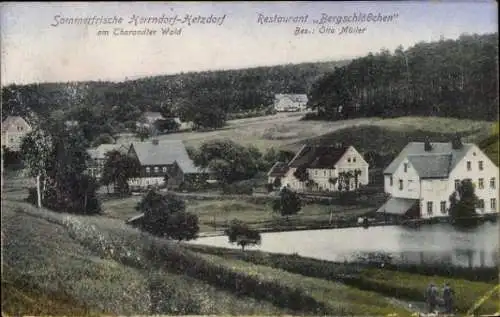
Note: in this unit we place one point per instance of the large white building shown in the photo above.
(328, 168)
(423, 177)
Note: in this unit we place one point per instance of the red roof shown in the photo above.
(318, 156)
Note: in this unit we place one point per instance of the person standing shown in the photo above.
(431, 297)
(448, 298)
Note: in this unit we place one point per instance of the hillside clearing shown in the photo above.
(288, 131)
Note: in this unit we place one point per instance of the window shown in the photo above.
(480, 204)
(316, 173)
(349, 160)
(354, 159)
(164, 169)
(492, 183)
(406, 167)
(400, 184)
(148, 170)
(156, 169)
(324, 173)
(481, 183)
(390, 180)
(442, 207)
(429, 207)
(480, 165)
(457, 184)
(493, 204)
(469, 166)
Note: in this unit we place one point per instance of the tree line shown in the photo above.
(205, 98)
(452, 78)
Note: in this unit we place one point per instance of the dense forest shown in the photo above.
(452, 78)
(185, 94)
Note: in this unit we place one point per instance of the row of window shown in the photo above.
(156, 169)
(469, 166)
(349, 160)
(480, 183)
(493, 204)
(326, 173)
(443, 210)
(480, 165)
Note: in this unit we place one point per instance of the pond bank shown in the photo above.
(322, 225)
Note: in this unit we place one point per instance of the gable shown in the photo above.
(352, 154)
(11, 123)
(438, 148)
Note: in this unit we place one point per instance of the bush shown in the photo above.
(241, 234)
(242, 188)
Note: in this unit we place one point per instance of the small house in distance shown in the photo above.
(421, 179)
(163, 160)
(290, 102)
(322, 168)
(14, 129)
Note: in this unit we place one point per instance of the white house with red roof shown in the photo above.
(322, 168)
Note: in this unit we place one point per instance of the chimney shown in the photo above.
(456, 143)
(427, 145)
(155, 141)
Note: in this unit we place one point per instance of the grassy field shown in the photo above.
(103, 266)
(215, 214)
(395, 283)
(92, 265)
(288, 131)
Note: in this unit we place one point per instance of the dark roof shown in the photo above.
(437, 163)
(431, 166)
(318, 156)
(279, 169)
(165, 152)
(397, 206)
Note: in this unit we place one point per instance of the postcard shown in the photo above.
(250, 158)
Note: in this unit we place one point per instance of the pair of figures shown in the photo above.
(433, 298)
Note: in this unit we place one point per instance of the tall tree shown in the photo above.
(118, 169)
(289, 203)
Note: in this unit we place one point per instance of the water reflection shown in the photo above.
(434, 244)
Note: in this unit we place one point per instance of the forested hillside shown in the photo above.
(452, 78)
(218, 92)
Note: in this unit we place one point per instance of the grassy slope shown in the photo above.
(287, 131)
(109, 267)
(403, 285)
(68, 264)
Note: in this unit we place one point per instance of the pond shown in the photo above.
(438, 243)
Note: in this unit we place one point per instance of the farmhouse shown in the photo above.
(14, 129)
(98, 157)
(424, 175)
(149, 118)
(322, 168)
(290, 102)
(163, 160)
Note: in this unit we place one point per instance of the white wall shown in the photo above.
(435, 191)
(490, 170)
(410, 178)
(351, 161)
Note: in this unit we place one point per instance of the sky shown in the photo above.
(39, 45)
